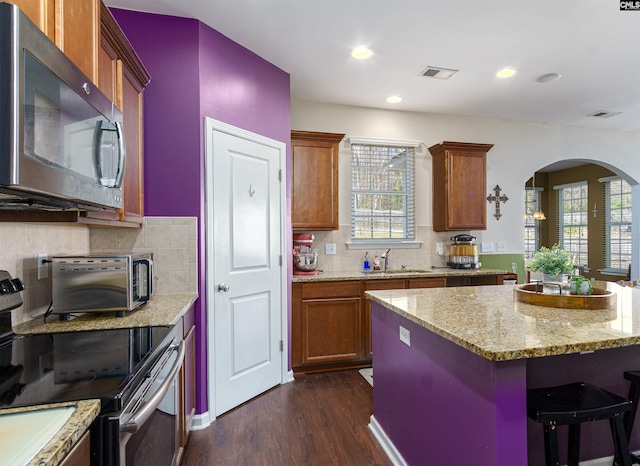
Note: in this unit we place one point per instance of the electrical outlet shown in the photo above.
(440, 249)
(405, 336)
(502, 247)
(43, 266)
(330, 248)
(487, 247)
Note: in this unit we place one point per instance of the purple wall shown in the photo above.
(197, 72)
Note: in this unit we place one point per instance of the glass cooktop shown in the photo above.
(101, 364)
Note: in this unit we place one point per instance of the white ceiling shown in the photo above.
(594, 45)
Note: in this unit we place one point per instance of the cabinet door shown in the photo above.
(332, 330)
(41, 12)
(467, 186)
(132, 198)
(80, 454)
(375, 285)
(188, 387)
(78, 33)
(315, 180)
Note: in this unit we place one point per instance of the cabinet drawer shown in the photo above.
(427, 283)
(384, 285)
(331, 290)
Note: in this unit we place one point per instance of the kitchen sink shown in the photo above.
(23, 435)
(396, 271)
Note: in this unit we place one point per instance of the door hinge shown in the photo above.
(281, 346)
(280, 259)
(280, 175)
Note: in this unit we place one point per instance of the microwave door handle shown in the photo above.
(138, 418)
(122, 156)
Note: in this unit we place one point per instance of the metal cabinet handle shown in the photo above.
(223, 288)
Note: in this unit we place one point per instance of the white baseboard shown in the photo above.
(384, 441)
(290, 377)
(201, 421)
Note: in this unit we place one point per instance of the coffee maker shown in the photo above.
(305, 259)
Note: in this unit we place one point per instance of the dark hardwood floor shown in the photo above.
(318, 419)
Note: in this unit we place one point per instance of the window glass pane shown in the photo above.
(382, 192)
(618, 224)
(574, 221)
(531, 225)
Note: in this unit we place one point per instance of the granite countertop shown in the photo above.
(346, 275)
(55, 451)
(488, 321)
(161, 310)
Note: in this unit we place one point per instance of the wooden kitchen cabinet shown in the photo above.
(72, 25)
(122, 78)
(315, 180)
(80, 454)
(459, 186)
(187, 382)
(326, 324)
(370, 285)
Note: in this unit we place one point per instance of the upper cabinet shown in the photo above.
(122, 77)
(459, 186)
(73, 25)
(315, 180)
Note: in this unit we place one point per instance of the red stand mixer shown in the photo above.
(305, 259)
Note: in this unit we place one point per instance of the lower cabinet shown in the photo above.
(331, 321)
(327, 324)
(80, 454)
(187, 381)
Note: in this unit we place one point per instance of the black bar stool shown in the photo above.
(573, 404)
(634, 396)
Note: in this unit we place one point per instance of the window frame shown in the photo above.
(408, 210)
(530, 222)
(583, 226)
(607, 269)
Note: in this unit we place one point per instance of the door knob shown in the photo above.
(223, 288)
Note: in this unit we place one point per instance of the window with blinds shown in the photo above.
(382, 192)
(617, 230)
(531, 225)
(573, 221)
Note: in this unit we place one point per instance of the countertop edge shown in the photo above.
(61, 444)
(349, 275)
(161, 310)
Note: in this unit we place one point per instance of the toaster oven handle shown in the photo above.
(149, 264)
(140, 417)
(122, 155)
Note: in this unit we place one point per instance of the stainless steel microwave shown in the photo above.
(61, 141)
(115, 282)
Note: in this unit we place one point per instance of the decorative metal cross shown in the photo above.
(498, 199)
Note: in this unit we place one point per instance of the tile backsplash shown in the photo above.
(173, 241)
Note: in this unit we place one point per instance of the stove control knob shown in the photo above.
(223, 288)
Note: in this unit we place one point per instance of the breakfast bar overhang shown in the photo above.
(452, 365)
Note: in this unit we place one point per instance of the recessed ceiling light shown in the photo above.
(549, 77)
(506, 72)
(361, 52)
(394, 99)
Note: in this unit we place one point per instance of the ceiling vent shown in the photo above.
(604, 114)
(438, 73)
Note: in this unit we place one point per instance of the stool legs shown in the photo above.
(551, 444)
(622, 455)
(630, 416)
(573, 454)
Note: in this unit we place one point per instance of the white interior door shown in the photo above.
(245, 276)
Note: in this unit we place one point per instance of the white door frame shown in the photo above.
(211, 125)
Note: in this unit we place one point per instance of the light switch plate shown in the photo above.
(330, 248)
(502, 247)
(487, 247)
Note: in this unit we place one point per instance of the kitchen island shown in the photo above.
(456, 393)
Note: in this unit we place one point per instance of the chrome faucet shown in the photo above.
(387, 260)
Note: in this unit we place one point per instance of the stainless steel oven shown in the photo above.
(145, 431)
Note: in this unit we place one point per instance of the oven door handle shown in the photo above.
(139, 418)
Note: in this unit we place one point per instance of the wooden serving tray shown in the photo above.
(600, 299)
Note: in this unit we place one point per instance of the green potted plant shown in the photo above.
(552, 262)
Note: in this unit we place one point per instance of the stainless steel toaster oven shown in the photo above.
(101, 283)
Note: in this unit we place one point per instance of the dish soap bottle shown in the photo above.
(366, 266)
